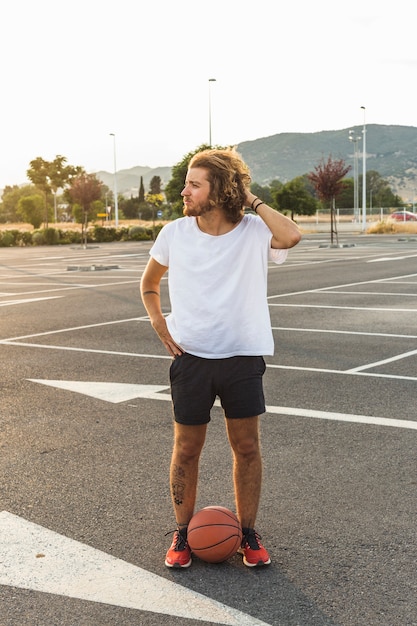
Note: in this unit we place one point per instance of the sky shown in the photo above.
(74, 72)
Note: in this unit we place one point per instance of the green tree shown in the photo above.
(85, 189)
(295, 197)
(155, 185)
(60, 175)
(274, 186)
(9, 207)
(263, 193)
(380, 193)
(38, 173)
(49, 176)
(345, 199)
(31, 209)
(129, 207)
(141, 193)
(155, 200)
(327, 179)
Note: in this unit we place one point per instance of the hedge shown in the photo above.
(56, 236)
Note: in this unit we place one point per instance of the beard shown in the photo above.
(197, 210)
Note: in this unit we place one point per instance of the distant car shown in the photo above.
(404, 216)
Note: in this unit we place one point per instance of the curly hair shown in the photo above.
(229, 177)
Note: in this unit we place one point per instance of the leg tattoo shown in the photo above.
(178, 485)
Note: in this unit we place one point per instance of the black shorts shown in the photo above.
(195, 383)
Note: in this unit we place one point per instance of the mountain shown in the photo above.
(390, 150)
(128, 181)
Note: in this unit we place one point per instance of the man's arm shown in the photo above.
(150, 293)
(285, 233)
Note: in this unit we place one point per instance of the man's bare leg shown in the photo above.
(188, 444)
(247, 467)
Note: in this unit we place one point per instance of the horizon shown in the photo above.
(149, 167)
(73, 82)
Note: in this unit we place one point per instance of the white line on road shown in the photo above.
(27, 300)
(122, 392)
(36, 558)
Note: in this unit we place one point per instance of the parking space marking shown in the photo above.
(72, 287)
(347, 308)
(343, 417)
(351, 372)
(109, 392)
(343, 286)
(36, 558)
(398, 357)
(27, 300)
(122, 392)
(392, 258)
(336, 292)
(343, 332)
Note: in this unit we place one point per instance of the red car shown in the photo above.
(404, 216)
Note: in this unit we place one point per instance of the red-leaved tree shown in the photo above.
(327, 179)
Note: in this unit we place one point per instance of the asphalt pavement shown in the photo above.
(86, 432)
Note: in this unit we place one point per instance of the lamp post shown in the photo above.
(355, 139)
(116, 205)
(364, 173)
(211, 80)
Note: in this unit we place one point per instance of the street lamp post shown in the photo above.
(364, 173)
(355, 139)
(211, 80)
(116, 204)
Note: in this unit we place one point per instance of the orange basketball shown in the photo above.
(214, 534)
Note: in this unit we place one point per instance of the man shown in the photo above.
(218, 330)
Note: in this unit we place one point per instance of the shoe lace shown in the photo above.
(252, 539)
(179, 539)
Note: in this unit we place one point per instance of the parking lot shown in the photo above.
(85, 440)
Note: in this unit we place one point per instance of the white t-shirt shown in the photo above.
(218, 287)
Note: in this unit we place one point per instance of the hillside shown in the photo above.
(391, 151)
(128, 181)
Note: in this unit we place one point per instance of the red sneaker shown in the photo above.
(254, 553)
(179, 554)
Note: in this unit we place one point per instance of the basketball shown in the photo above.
(214, 534)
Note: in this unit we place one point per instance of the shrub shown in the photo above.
(139, 233)
(122, 234)
(70, 236)
(51, 236)
(38, 238)
(103, 234)
(25, 238)
(7, 239)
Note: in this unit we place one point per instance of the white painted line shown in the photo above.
(72, 328)
(82, 286)
(346, 308)
(399, 357)
(392, 258)
(342, 332)
(88, 350)
(121, 392)
(335, 292)
(27, 300)
(343, 417)
(33, 557)
(108, 392)
(322, 370)
(321, 289)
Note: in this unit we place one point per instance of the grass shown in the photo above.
(73, 226)
(384, 227)
(392, 227)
